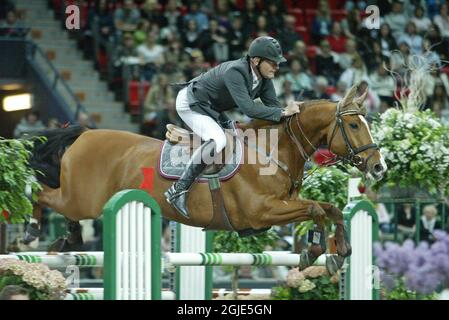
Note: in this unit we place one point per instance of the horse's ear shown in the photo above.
(359, 101)
(363, 110)
(348, 97)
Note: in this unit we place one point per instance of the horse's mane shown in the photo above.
(265, 124)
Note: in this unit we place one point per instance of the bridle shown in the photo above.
(351, 158)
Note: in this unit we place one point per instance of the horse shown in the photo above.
(86, 167)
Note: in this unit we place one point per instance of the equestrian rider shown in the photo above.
(201, 103)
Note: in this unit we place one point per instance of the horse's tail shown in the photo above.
(47, 155)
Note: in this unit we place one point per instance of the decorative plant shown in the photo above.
(225, 241)
(41, 282)
(411, 272)
(313, 283)
(15, 177)
(416, 149)
(415, 143)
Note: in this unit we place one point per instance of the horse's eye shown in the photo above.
(354, 125)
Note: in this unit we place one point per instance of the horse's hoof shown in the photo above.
(334, 263)
(59, 245)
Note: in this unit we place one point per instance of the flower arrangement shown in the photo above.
(411, 272)
(41, 282)
(415, 146)
(313, 283)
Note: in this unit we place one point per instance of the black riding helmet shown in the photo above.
(266, 47)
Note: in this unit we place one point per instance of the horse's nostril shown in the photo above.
(378, 168)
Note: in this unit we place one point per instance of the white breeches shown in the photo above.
(204, 126)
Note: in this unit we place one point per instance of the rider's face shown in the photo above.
(268, 68)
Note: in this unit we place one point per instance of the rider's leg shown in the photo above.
(209, 131)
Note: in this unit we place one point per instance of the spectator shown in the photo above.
(336, 39)
(352, 23)
(300, 81)
(151, 12)
(439, 44)
(191, 35)
(413, 40)
(356, 73)
(326, 62)
(194, 13)
(126, 59)
(197, 65)
(5, 7)
(29, 125)
(345, 58)
(127, 17)
(442, 19)
(320, 88)
(14, 292)
(387, 42)
(100, 23)
(439, 102)
(237, 38)
(157, 97)
(421, 21)
(289, 36)
(400, 60)
(406, 218)
(171, 18)
(340, 91)
(275, 10)
(299, 53)
(164, 117)
(321, 24)
(287, 94)
(214, 42)
(375, 57)
(429, 223)
(383, 84)
(262, 28)
(12, 27)
(222, 15)
(397, 19)
(151, 56)
(175, 58)
(249, 15)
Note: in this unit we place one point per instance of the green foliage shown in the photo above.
(15, 176)
(225, 241)
(400, 292)
(415, 146)
(327, 184)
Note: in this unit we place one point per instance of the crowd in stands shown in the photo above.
(144, 45)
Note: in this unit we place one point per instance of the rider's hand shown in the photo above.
(291, 108)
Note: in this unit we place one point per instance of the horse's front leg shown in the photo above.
(288, 211)
(344, 249)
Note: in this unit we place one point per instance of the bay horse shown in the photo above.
(95, 164)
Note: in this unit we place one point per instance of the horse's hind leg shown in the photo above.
(52, 198)
(73, 241)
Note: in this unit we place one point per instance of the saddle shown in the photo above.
(179, 145)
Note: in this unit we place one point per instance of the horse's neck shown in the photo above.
(314, 119)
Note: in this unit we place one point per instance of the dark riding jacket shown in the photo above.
(229, 85)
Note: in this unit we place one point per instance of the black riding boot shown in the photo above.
(177, 193)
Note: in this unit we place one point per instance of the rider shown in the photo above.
(201, 103)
